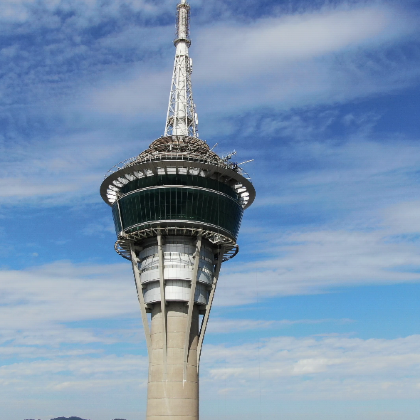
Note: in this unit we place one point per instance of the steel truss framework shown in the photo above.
(124, 243)
(182, 148)
(137, 277)
(181, 118)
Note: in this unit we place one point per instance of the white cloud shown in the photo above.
(89, 11)
(268, 44)
(313, 368)
(350, 179)
(63, 292)
(146, 95)
(316, 368)
(308, 58)
(75, 373)
(58, 169)
(99, 228)
(316, 262)
(41, 309)
(312, 58)
(403, 218)
(225, 326)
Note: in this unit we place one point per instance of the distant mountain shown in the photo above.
(68, 418)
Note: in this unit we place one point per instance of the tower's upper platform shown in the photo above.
(178, 184)
(176, 154)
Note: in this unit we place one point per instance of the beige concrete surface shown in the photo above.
(173, 373)
(170, 395)
(172, 418)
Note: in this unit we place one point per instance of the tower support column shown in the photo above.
(176, 396)
(177, 209)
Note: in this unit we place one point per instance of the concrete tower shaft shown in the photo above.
(177, 209)
(173, 390)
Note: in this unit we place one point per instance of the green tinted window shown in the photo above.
(116, 218)
(179, 204)
(187, 180)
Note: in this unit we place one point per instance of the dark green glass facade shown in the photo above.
(186, 180)
(178, 203)
(116, 217)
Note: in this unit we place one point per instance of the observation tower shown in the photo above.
(177, 209)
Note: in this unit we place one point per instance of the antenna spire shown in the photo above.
(181, 119)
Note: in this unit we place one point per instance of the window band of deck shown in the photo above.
(178, 179)
(177, 204)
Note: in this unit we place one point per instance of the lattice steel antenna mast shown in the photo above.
(181, 118)
(177, 209)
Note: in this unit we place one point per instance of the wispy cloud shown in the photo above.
(84, 84)
(316, 368)
(319, 261)
(101, 79)
(298, 59)
(268, 44)
(64, 292)
(312, 368)
(225, 326)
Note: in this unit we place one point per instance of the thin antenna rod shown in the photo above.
(181, 119)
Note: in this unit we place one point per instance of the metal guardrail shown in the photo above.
(165, 157)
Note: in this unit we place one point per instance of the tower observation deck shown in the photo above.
(177, 208)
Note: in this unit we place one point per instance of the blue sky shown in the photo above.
(317, 317)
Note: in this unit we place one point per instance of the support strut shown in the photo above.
(191, 303)
(139, 287)
(162, 302)
(208, 307)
